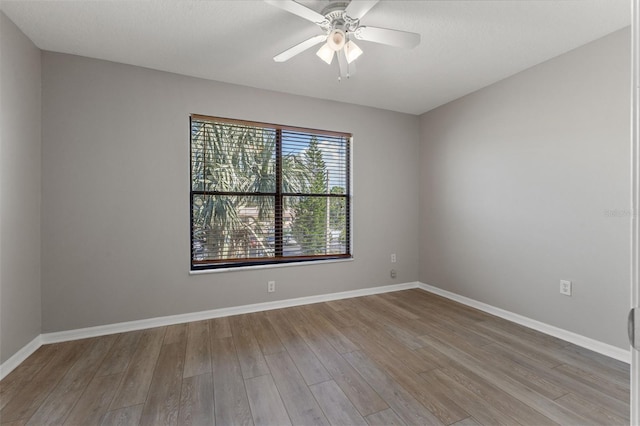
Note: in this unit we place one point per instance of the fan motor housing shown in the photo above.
(337, 18)
(336, 6)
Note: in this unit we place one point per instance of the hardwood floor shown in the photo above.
(407, 357)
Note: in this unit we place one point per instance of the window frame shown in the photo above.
(278, 259)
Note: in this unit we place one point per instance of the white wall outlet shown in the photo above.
(565, 287)
(393, 258)
(271, 286)
(393, 273)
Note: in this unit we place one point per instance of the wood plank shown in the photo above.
(296, 396)
(526, 367)
(127, 416)
(595, 381)
(329, 331)
(448, 315)
(118, 358)
(30, 397)
(266, 336)
(16, 380)
(371, 317)
(310, 367)
(571, 385)
(398, 398)
(565, 382)
(337, 305)
(386, 417)
(446, 311)
(43, 354)
(196, 401)
(370, 311)
(523, 332)
(339, 319)
(408, 339)
(472, 368)
(198, 356)
(266, 405)
(20, 422)
(526, 376)
(463, 332)
(95, 401)
(392, 307)
(420, 311)
(434, 358)
(163, 400)
(136, 381)
(441, 304)
(496, 397)
(594, 414)
(406, 303)
(469, 421)
(252, 361)
(365, 399)
(609, 366)
(24, 373)
(335, 404)
(231, 403)
(387, 349)
(219, 328)
(64, 396)
(522, 347)
(175, 334)
(434, 397)
(531, 377)
(479, 409)
(430, 395)
(613, 370)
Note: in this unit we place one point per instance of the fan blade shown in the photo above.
(299, 48)
(388, 37)
(358, 8)
(298, 9)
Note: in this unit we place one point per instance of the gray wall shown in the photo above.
(20, 190)
(514, 184)
(526, 182)
(115, 234)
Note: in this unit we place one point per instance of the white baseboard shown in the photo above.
(18, 358)
(83, 333)
(102, 330)
(586, 342)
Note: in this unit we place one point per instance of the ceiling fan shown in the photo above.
(340, 24)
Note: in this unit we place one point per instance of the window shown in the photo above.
(265, 194)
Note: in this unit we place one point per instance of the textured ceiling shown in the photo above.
(466, 45)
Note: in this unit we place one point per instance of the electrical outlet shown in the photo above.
(271, 286)
(393, 258)
(393, 273)
(565, 287)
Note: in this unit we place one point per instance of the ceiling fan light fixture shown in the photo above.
(340, 23)
(326, 53)
(352, 51)
(336, 39)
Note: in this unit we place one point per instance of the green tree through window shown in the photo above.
(310, 224)
(267, 194)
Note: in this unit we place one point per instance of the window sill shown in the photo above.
(271, 266)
